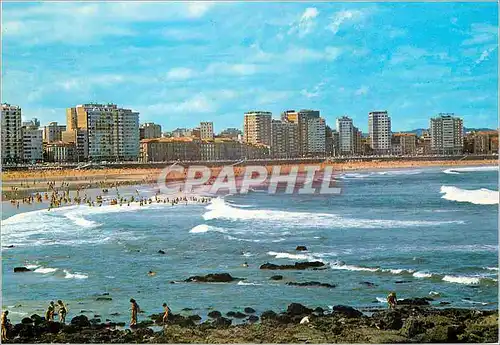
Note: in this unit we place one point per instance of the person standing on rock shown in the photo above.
(135, 309)
(4, 324)
(166, 310)
(49, 314)
(392, 300)
(63, 310)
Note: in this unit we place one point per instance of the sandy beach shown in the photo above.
(18, 184)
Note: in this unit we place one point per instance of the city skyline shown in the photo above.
(343, 59)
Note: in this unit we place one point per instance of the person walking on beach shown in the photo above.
(4, 323)
(63, 310)
(49, 314)
(392, 300)
(135, 309)
(166, 310)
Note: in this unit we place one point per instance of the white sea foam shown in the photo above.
(481, 196)
(247, 255)
(291, 256)
(45, 270)
(245, 283)
(422, 275)
(474, 302)
(241, 239)
(462, 280)
(202, 228)
(381, 299)
(80, 221)
(218, 209)
(76, 275)
(491, 268)
(470, 169)
(32, 267)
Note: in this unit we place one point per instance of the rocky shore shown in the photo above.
(412, 322)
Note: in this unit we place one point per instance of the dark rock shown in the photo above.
(214, 314)
(27, 321)
(96, 316)
(53, 327)
(414, 301)
(441, 334)
(221, 322)
(370, 284)
(230, 313)
(161, 252)
(268, 315)
(120, 324)
(301, 248)
(444, 303)
(103, 298)
(213, 278)
(277, 277)
(9, 246)
(37, 319)
(21, 269)
(413, 326)
(319, 311)
(114, 314)
(297, 309)
(187, 309)
(391, 319)
(80, 321)
(194, 317)
(240, 315)
(253, 318)
(402, 281)
(296, 266)
(249, 310)
(347, 311)
(312, 284)
(106, 294)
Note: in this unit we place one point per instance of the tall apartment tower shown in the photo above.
(379, 129)
(12, 141)
(284, 139)
(316, 136)
(149, 130)
(257, 127)
(345, 129)
(447, 134)
(206, 130)
(301, 118)
(32, 143)
(103, 132)
(53, 132)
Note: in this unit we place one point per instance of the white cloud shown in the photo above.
(224, 68)
(485, 54)
(196, 104)
(342, 17)
(78, 23)
(481, 34)
(363, 90)
(270, 97)
(413, 54)
(180, 73)
(315, 92)
(301, 54)
(306, 23)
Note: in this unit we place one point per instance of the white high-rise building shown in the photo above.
(206, 130)
(447, 134)
(32, 144)
(112, 133)
(345, 130)
(316, 136)
(379, 129)
(12, 142)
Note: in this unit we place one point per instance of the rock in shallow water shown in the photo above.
(301, 248)
(213, 278)
(318, 284)
(296, 266)
(21, 269)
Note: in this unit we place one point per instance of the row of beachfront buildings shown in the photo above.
(106, 132)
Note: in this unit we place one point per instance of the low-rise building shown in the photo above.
(60, 152)
(404, 144)
(149, 130)
(170, 149)
(53, 132)
(481, 142)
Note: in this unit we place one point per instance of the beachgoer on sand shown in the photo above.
(49, 314)
(135, 309)
(392, 300)
(4, 321)
(62, 311)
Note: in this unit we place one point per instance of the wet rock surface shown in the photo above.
(297, 266)
(407, 324)
(213, 278)
(312, 284)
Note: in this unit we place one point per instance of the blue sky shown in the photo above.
(181, 63)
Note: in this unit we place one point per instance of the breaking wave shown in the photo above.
(219, 209)
(45, 270)
(457, 171)
(462, 280)
(202, 228)
(76, 275)
(481, 196)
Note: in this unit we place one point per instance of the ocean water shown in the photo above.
(435, 229)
